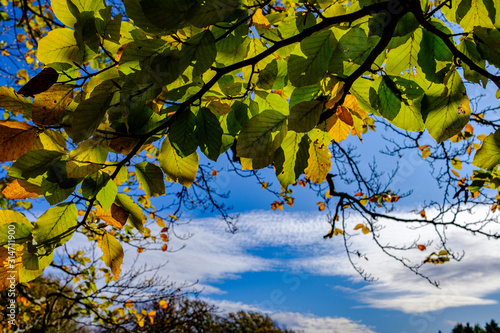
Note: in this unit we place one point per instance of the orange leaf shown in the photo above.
(422, 213)
(117, 216)
(164, 247)
(469, 129)
(129, 304)
(21, 189)
(421, 247)
(358, 194)
(423, 147)
(214, 173)
(16, 139)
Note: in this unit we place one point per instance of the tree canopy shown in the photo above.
(130, 96)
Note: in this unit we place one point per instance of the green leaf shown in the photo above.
(67, 11)
(86, 159)
(469, 48)
(318, 164)
(14, 103)
(102, 186)
(34, 163)
(182, 134)
(86, 35)
(398, 100)
(59, 46)
(209, 133)
(56, 226)
(150, 177)
(14, 227)
(445, 108)
(291, 158)
(91, 111)
(167, 14)
(134, 12)
(262, 134)
(178, 169)
(33, 262)
(107, 27)
(354, 45)
(209, 12)
(136, 217)
(473, 13)
(488, 44)
(304, 116)
(56, 186)
(201, 49)
(112, 254)
(488, 156)
(434, 56)
(309, 61)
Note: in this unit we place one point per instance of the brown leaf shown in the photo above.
(21, 189)
(421, 247)
(40, 82)
(49, 106)
(116, 216)
(344, 115)
(16, 139)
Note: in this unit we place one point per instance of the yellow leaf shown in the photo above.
(359, 226)
(426, 152)
(338, 231)
(173, 217)
(481, 137)
(260, 21)
(337, 92)
(337, 129)
(456, 163)
(455, 173)
(163, 304)
(353, 106)
(112, 254)
(160, 222)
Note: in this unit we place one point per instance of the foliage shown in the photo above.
(147, 92)
(195, 315)
(44, 307)
(491, 327)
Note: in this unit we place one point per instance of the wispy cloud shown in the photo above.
(277, 241)
(306, 322)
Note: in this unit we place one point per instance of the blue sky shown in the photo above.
(278, 262)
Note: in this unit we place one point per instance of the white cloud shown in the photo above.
(294, 242)
(314, 324)
(213, 254)
(306, 322)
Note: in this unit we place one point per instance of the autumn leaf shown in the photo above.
(21, 189)
(260, 21)
(112, 253)
(40, 82)
(117, 216)
(421, 247)
(16, 139)
(50, 106)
